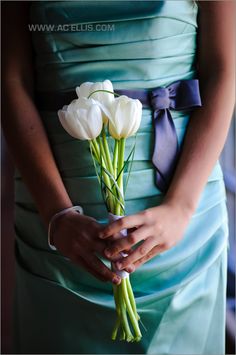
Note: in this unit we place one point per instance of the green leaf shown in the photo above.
(130, 165)
(112, 192)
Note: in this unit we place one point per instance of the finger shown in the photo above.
(127, 242)
(98, 266)
(97, 246)
(130, 230)
(137, 254)
(119, 256)
(122, 223)
(75, 259)
(94, 263)
(117, 236)
(156, 250)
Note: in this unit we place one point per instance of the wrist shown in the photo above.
(55, 217)
(187, 206)
(49, 211)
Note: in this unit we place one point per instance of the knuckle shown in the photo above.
(107, 231)
(146, 214)
(159, 228)
(143, 250)
(121, 222)
(126, 261)
(114, 250)
(140, 261)
(167, 244)
(150, 254)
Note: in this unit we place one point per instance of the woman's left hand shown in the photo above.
(160, 228)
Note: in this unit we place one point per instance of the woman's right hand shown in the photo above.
(76, 237)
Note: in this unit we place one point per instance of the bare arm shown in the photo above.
(75, 236)
(163, 226)
(21, 122)
(209, 125)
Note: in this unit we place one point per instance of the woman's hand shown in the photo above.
(76, 237)
(160, 228)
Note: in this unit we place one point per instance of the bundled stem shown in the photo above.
(112, 174)
(120, 171)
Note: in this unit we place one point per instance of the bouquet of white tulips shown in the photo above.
(96, 114)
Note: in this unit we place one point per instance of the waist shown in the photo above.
(169, 96)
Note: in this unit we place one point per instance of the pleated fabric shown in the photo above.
(180, 293)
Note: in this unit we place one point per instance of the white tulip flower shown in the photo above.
(85, 89)
(82, 118)
(125, 117)
(104, 99)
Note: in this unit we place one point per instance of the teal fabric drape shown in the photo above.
(180, 294)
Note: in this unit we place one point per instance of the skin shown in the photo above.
(79, 237)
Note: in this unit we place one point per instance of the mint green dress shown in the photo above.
(180, 293)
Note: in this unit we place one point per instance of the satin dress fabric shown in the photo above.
(180, 293)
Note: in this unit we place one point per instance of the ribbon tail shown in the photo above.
(165, 149)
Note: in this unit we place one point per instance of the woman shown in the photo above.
(62, 304)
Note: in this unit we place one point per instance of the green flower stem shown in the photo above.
(125, 323)
(120, 171)
(115, 158)
(132, 315)
(118, 320)
(106, 178)
(95, 148)
(122, 335)
(102, 150)
(121, 162)
(109, 92)
(107, 152)
(131, 297)
(93, 151)
(116, 328)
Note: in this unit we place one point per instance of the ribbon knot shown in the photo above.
(160, 98)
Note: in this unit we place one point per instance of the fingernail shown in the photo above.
(116, 280)
(130, 269)
(107, 252)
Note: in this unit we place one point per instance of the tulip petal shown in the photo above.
(66, 123)
(126, 117)
(84, 89)
(95, 121)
